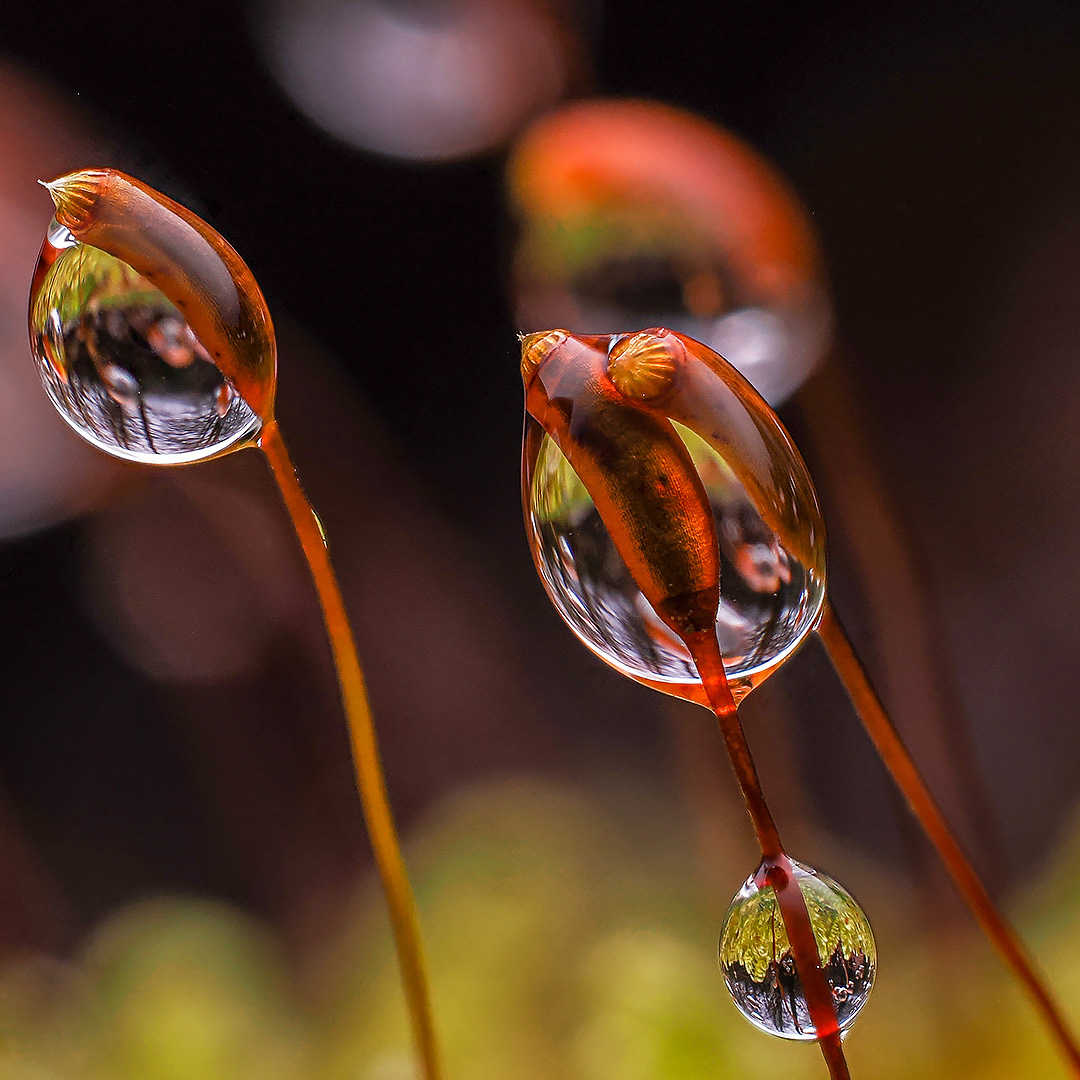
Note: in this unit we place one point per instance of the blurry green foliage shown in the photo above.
(564, 946)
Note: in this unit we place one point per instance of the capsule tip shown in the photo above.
(75, 197)
(535, 349)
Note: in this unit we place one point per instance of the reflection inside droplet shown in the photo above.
(758, 965)
(122, 365)
(769, 600)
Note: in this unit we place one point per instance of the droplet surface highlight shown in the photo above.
(769, 600)
(758, 965)
(121, 364)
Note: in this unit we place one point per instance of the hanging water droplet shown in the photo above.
(759, 968)
(769, 600)
(122, 365)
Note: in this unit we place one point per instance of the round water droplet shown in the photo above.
(769, 599)
(121, 364)
(759, 968)
(635, 214)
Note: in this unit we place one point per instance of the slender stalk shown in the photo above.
(365, 750)
(906, 774)
(778, 870)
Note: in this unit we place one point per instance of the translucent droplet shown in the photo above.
(122, 365)
(759, 968)
(635, 214)
(769, 600)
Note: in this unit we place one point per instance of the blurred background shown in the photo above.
(185, 887)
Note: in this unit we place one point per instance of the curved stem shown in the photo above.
(778, 870)
(365, 750)
(906, 774)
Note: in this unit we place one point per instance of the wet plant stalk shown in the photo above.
(370, 781)
(906, 774)
(779, 875)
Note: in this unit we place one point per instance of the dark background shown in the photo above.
(937, 149)
(925, 143)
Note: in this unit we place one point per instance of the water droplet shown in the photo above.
(758, 966)
(122, 365)
(769, 599)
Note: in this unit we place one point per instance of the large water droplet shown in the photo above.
(769, 599)
(121, 364)
(759, 968)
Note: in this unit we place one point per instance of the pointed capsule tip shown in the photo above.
(528, 340)
(535, 348)
(75, 197)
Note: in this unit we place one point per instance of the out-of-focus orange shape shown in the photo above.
(592, 153)
(633, 213)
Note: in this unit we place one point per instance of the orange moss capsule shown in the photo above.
(189, 262)
(747, 512)
(703, 392)
(605, 402)
(155, 343)
(639, 473)
(586, 523)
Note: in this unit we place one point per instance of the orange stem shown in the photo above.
(779, 875)
(370, 781)
(906, 774)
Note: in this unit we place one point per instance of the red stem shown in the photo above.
(778, 870)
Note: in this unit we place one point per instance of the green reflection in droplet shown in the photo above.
(758, 966)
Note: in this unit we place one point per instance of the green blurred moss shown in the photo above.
(566, 943)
